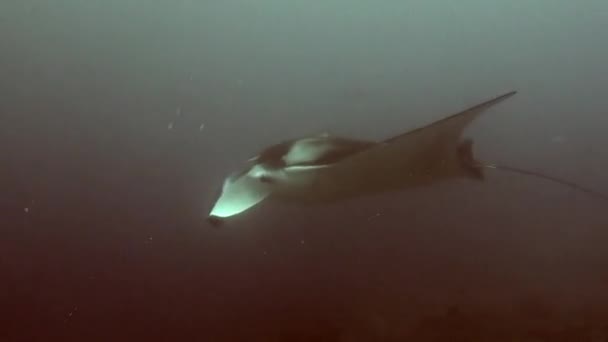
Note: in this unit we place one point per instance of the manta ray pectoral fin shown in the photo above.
(473, 169)
(451, 126)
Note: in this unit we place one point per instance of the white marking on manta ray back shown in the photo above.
(307, 150)
(306, 167)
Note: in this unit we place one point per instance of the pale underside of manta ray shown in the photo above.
(323, 168)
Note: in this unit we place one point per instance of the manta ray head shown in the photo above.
(279, 167)
(243, 190)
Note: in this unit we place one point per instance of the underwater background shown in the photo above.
(119, 120)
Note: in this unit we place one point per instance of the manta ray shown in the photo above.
(323, 168)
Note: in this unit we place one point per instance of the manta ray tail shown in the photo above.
(475, 170)
(472, 167)
(553, 179)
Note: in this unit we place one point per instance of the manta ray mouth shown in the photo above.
(215, 221)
